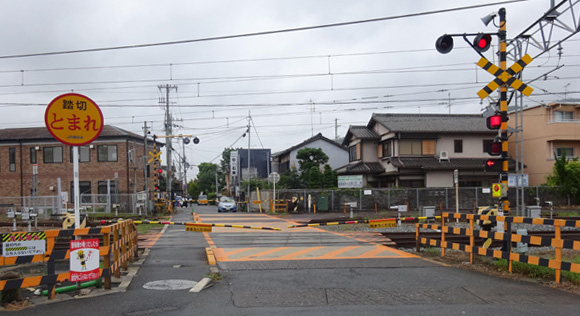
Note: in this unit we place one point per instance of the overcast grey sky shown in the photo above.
(295, 84)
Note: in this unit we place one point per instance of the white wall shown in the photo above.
(472, 145)
(439, 178)
(337, 157)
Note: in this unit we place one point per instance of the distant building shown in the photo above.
(284, 161)
(260, 166)
(116, 155)
(420, 150)
(549, 131)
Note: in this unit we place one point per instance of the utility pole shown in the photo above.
(249, 160)
(145, 165)
(168, 132)
(185, 167)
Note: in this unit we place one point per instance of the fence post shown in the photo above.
(417, 198)
(107, 259)
(471, 239)
(443, 216)
(115, 230)
(558, 242)
(124, 241)
(332, 200)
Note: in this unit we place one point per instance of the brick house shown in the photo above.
(116, 155)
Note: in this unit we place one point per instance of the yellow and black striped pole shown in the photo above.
(502, 34)
(503, 106)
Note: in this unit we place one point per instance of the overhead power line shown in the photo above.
(297, 29)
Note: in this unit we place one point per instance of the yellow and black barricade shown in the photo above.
(557, 242)
(118, 241)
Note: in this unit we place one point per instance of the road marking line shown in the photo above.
(264, 253)
(300, 253)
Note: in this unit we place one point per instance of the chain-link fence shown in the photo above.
(415, 198)
(46, 206)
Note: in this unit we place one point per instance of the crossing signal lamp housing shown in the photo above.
(494, 121)
(492, 165)
(444, 44)
(494, 148)
(482, 42)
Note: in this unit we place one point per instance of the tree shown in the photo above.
(310, 157)
(310, 160)
(206, 177)
(329, 177)
(290, 180)
(566, 176)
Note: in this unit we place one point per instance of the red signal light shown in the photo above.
(495, 148)
(494, 121)
(482, 42)
(160, 170)
(493, 165)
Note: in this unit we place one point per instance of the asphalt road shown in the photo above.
(306, 272)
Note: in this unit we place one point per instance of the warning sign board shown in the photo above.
(200, 228)
(84, 260)
(23, 236)
(74, 119)
(382, 223)
(496, 190)
(23, 248)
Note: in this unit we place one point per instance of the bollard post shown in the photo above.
(417, 237)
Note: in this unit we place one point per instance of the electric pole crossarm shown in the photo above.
(553, 28)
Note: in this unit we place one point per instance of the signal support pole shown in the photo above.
(503, 107)
(502, 34)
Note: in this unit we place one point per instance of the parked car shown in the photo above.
(227, 204)
(202, 200)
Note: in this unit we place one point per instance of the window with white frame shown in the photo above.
(563, 116)
(565, 151)
(84, 154)
(52, 154)
(107, 153)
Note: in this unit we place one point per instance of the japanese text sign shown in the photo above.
(84, 260)
(74, 119)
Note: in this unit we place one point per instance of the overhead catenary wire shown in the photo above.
(288, 30)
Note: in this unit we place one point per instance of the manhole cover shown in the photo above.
(170, 285)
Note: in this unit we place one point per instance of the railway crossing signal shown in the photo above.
(482, 42)
(494, 148)
(505, 77)
(493, 165)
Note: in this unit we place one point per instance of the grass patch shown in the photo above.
(432, 251)
(571, 214)
(537, 272)
(146, 228)
(214, 276)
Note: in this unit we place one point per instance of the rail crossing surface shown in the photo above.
(304, 243)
